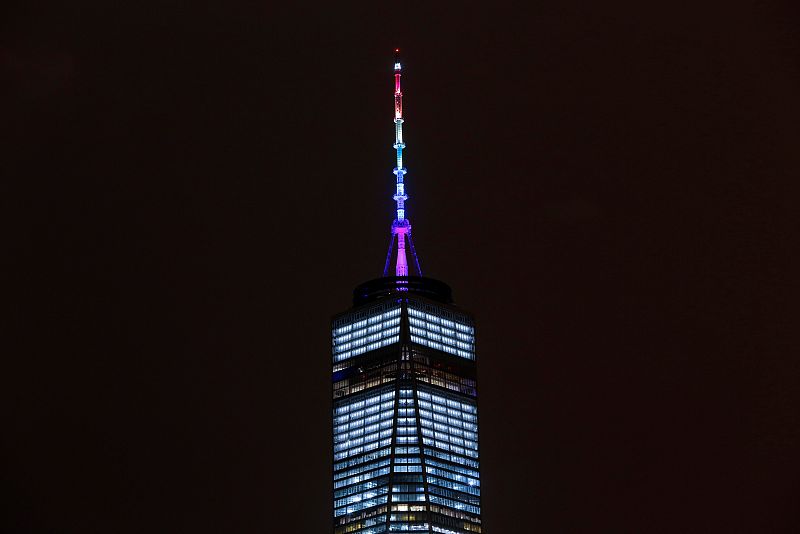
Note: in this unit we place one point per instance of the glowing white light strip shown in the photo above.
(364, 335)
(444, 348)
(441, 321)
(372, 319)
(443, 339)
(442, 334)
(367, 348)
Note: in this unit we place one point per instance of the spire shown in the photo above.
(401, 227)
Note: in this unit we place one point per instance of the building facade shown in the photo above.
(405, 415)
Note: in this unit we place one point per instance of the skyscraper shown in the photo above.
(405, 421)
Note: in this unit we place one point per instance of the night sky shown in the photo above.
(190, 190)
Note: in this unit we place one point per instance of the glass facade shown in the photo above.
(405, 418)
(440, 330)
(366, 331)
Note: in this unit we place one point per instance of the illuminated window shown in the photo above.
(364, 331)
(434, 328)
(412, 443)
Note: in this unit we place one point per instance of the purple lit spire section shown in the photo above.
(401, 269)
(401, 227)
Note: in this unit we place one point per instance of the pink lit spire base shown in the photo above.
(401, 268)
(401, 235)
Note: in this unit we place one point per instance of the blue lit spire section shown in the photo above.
(401, 227)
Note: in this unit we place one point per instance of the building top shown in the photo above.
(402, 286)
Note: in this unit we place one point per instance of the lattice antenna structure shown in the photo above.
(401, 227)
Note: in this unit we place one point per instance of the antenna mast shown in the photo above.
(401, 227)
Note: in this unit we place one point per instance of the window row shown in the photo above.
(451, 430)
(367, 348)
(364, 401)
(380, 529)
(443, 530)
(380, 322)
(469, 473)
(362, 527)
(386, 409)
(455, 458)
(406, 430)
(389, 329)
(407, 469)
(360, 489)
(351, 443)
(452, 342)
(457, 422)
(455, 477)
(452, 412)
(361, 449)
(438, 318)
(362, 383)
(457, 514)
(350, 423)
(450, 494)
(363, 468)
(408, 488)
(355, 506)
(361, 477)
(406, 516)
(406, 508)
(446, 446)
(456, 486)
(432, 327)
(403, 418)
(338, 466)
(451, 381)
(408, 497)
(409, 527)
(343, 416)
(361, 497)
(444, 348)
(436, 333)
(360, 431)
(375, 315)
(463, 405)
(376, 478)
(362, 518)
(428, 435)
(435, 499)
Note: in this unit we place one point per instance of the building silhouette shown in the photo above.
(405, 422)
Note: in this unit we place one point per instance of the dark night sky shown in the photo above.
(189, 193)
